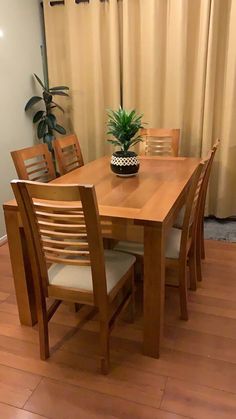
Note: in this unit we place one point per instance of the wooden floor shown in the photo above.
(194, 378)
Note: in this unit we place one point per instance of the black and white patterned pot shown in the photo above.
(124, 164)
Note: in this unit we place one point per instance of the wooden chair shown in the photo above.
(68, 153)
(200, 247)
(62, 228)
(203, 199)
(34, 163)
(161, 141)
(180, 244)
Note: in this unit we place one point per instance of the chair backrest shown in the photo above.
(68, 153)
(34, 163)
(161, 141)
(192, 206)
(206, 179)
(62, 226)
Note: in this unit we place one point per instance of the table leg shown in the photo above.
(21, 269)
(154, 289)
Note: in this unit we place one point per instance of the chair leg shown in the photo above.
(104, 348)
(193, 267)
(199, 264)
(202, 243)
(130, 311)
(43, 332)
(183, 293)
(199, 244)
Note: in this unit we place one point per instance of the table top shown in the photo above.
(148, 197)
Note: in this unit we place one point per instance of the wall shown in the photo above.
(20, 56)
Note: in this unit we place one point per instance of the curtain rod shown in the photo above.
(62, 2)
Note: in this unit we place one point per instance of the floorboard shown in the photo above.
(195, 376)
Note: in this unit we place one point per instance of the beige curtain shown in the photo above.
(172, 60)
(57, 55)
(92, 65)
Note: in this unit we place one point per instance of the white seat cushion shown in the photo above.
(172, 245)
(80, 277)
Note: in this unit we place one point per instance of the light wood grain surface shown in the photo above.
(149, 196)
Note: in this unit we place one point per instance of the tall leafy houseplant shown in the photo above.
(45, 119)
(124, 126)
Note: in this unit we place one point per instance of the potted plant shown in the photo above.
(45, 118)
(124, 125)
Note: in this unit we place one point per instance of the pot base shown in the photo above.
(128, 175)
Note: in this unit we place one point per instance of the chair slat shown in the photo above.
(63, 243)
(42, 162)
(167, 139)
(41, 178)
(68, 153)
(66, 251)
(57, 226)
(61, 234)
(85, 262)
(65, 217)
(39, 161)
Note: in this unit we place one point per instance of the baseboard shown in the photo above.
(3, 240)
(213, 217)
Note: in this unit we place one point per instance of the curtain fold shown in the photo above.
(174, 61)
(93, 42)
(57, 56)
(222, 194)
(92, 61)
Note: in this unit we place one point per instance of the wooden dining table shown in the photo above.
(151, 200)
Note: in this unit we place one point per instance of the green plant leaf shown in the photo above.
(124, 125)
(49, 122)
(58, 106)
(135, 141)
(47, 139)
(60, 129)
(38, 116)
(53, 119)
(47, 97)
(33, 100)
(40, 81)
(41, 130)
(59, 88)
(59, 93)
(114, 142)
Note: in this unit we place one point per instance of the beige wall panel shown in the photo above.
(20, 57)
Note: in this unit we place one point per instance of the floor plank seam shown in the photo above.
(38, 414)
(97, 392)
(33, 392)
(69, 383)
(170, 348)
(163, 393)
(202, 332)
(51, 377)
(171, 411)
(22, 409)
(183, 380)
(22, 370)
(179, 414)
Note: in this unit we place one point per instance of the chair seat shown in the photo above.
(80, 277)
(172, 245)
